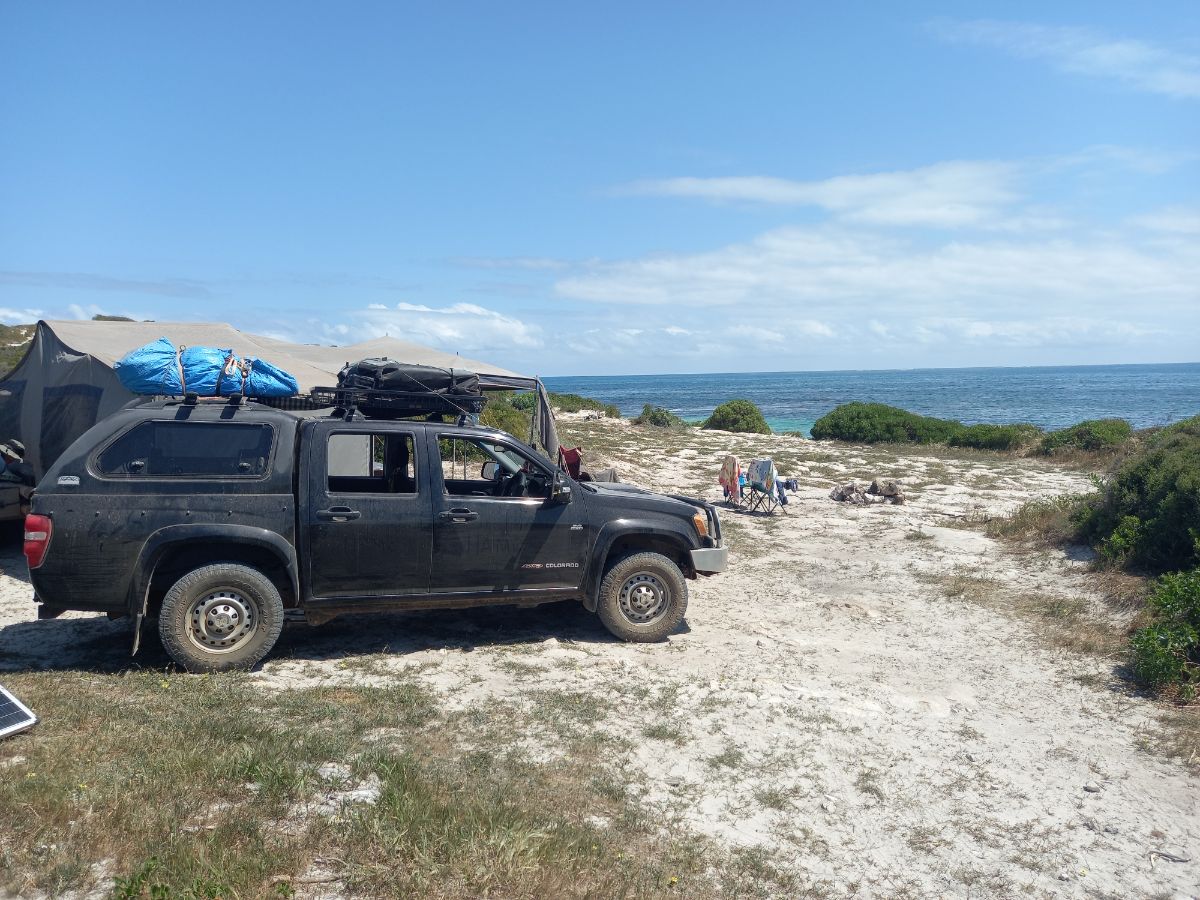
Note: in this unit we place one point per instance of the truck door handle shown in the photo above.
(459, 514)
(338, 514)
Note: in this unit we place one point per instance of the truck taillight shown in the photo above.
(37, 539)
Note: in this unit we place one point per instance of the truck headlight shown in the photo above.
(700, 520)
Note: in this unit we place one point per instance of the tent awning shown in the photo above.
(98, 345)
(313, 365)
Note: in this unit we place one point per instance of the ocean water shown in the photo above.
(1049, 397)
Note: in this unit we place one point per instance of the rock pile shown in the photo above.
(877, 492)
(888, 490)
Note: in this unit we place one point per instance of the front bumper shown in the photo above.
(710, 560)
(714, 559)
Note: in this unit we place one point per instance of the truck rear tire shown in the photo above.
(220, 617)
(643, 598)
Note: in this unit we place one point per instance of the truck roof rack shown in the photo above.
(374, 403)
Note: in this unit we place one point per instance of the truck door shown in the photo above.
(365, 510)
(495, 528)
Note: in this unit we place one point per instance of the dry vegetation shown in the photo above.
(872, 702)
(210, 787)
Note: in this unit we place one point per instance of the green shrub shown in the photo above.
(995, 437)
(576, 403)
(659, 418)
(567, 403)
(738, 415)
(1167, 651)
(1148, 514)
(525, 400)
(874, 423)
(503, 415)
(1094, 434)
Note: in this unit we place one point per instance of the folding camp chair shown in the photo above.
(571, 460)
(731, 479)
(761, 487)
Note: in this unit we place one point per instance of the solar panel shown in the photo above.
(14, 715)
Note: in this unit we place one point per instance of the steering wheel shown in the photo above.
(538, 484)
(516, 484)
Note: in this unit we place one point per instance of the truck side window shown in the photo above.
(371, 463)
(478, 467)
(189, 449)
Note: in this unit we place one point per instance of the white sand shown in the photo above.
(834, 707)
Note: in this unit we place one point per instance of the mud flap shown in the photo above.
(137, 633)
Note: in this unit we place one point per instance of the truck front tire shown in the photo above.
(220, 617)
(643, 598)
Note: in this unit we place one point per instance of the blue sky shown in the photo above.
(616, 188)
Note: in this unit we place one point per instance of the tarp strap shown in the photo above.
(247, 368)
(232, 366)
(179, 363)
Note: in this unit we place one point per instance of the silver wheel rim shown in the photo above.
(644, 598)
(222, 621)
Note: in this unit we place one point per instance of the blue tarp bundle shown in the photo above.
(153, 369)
(266, 380)
(158, 368)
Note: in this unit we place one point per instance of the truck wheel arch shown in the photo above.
(171, 552)
(631, 538)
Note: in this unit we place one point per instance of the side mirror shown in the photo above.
(488, 470)
(560, 490)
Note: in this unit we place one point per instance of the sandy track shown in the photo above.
(826, 702)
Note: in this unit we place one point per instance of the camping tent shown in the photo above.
(65, 383)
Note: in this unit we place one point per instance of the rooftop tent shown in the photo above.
(65, 383)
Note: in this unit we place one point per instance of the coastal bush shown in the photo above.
(576, 403)
(525, 400)
(567, 403)
(502, 412)
(659, 417)
(995, 437)
(1093, 435)
(1167, 651)
(875, 423)
(1148, 514)
(738, 415)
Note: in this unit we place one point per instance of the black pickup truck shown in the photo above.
(221, 519)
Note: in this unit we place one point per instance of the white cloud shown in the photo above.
(757, 335)
(88, 281)
(947, 194)
(10, 316)
(827, 273)
(1173, 220)
(649, 343)
(1028, 332)
(1140, 64)
(1099, 159)
(988, 195)
(462, 327)
(533, 263)
(80, 312)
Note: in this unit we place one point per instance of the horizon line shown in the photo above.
(847, 371)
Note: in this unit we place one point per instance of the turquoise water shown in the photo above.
(1049, 396)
